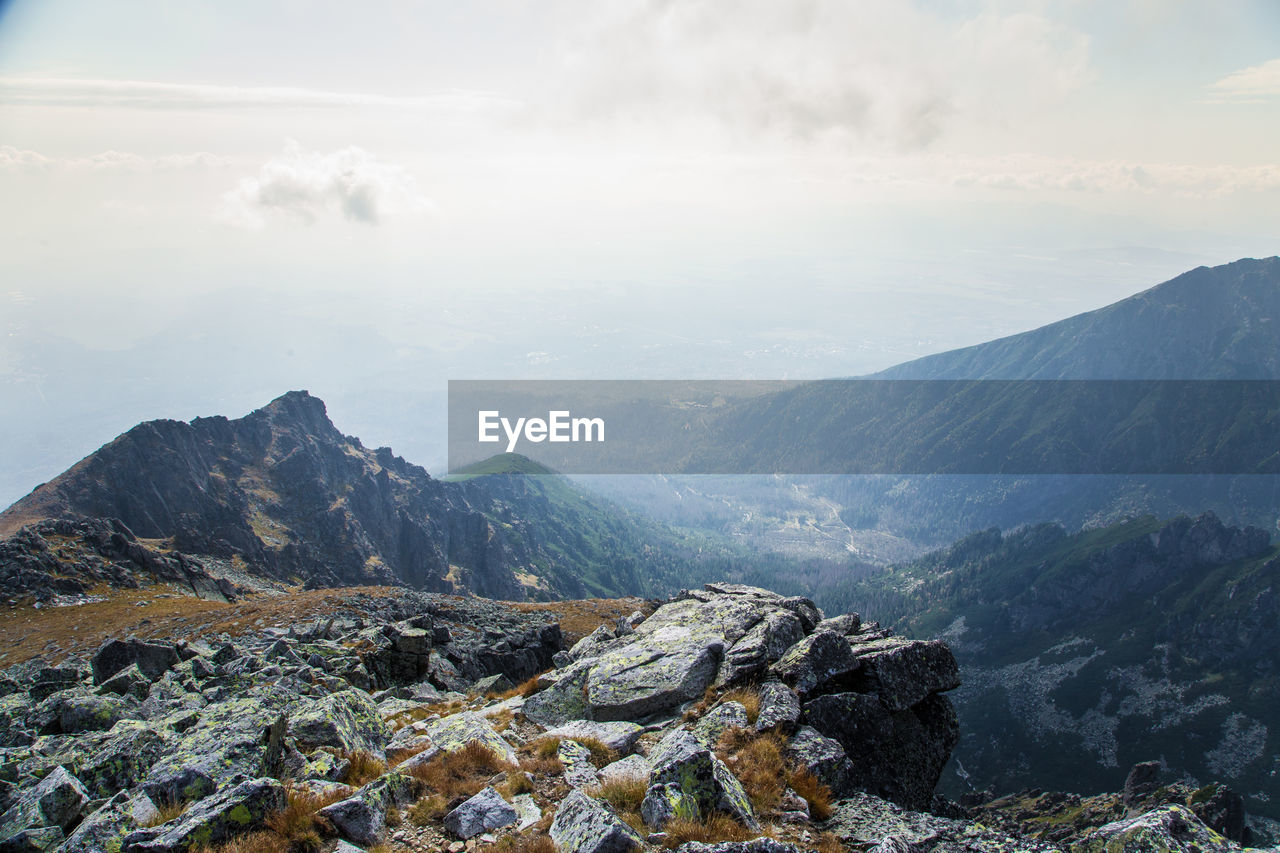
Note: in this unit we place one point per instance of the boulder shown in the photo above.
(35, 840)
(348, 720)
(58, 800)
(452, 733)
(153, 659)
(362, 817)
(631, 767)
(127, 682)
(824, 757)
(779, 708)
(125, 758)
(586, 825)
(903, 672)
(231, 812)
(818, 663)
(579, 772)
(1171, 829)
(764, 844)
(620, 736)
(722, 717)
(485, 811)
(666, 802)
(564, 700)
(682, 759)
(92, 713)
(397, 654)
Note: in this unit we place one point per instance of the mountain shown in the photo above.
(283, 494)
(1209, 323)
(1140, 640)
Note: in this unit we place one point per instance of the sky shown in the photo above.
(209, 202)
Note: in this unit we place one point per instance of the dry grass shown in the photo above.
(816, 794)
(362, 768)
(428, 810)
(165, 813)
(544, 747)
(712, 829)
(501, 720)
(828, 842)
(747, 698)
(254, 842)
(579, 618)
(625, 795)
(601, 755)
(296, 827)
(758, 762)
(517, 783)
(455, 776)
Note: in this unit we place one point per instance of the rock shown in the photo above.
(399, 654)
(362, 817)
(631, 767)
(231, 812)
(485, 811)
(565, 699)
(1222, 811)
(847, 623)
(348, 720)
(58, 800)
(779, 708)
(824, 757)
(766, 642)
(125, 758)
(620, 736)
(1171, 829)
(33, 840)
(344, 847)
(579, 772)
(127, 682)
(1142, 780)
(722, 717)
(585, 825)
(491, 684)
(153, 659)
(589, 646)
(240, 736)
(763, 844)
(903, 672)
(820, 662)
(900, 754)
(452, 733)
(91, 713)
(528, 811)
(666, 802)
(681, 758)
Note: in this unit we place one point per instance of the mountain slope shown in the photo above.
(1142, 640)
(1210, 323)
(284, 493)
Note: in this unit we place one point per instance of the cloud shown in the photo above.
(877, 70)
(1253, 84)
(143, 94)
(108, 162)
(304, 185)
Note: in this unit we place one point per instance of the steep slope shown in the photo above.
(1142, 640)
(282, 492)
(1210, 323)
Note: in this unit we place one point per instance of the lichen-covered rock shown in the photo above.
(240, 736)
(485, 811)
(682, 759)
(125, 758)
(57, 800)
(397, 654)
(1172, 829)
(821, 661)
(127, 682)
(527, 811)
(92, 713)
(153, 659)
(779, 708)
(35, 840)
(348, 720)
(903, 672)
(586, 825)
(762, 645)
(565, 699)
(763, 844)
(105, 828)
(362, 817)
(667, 802)
(228, 813)
(900, 755)
(579, 772)
(719, 719)
(824, 757)
(452, 733)
(620, 736)
(631, 767)
(866, 822)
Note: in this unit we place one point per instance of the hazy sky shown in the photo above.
(207, 202)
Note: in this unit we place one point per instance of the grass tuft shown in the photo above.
(458, 775)
(816, 794)
(748, 699)
(625, 795)
(165, 813)
(362, 768)
(712, 829)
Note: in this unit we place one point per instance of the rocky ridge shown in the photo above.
(730, 719)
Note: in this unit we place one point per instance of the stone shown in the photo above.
(718, 720)
(153, 659)
(228, 813)
(585, 825)
(764, 844)
(766, 642)
(91, 713)
(619, 735)
(127, 682)
(903, 672)
(824, 757)
(491, 684)
(779, 708)
(1143, 779)
(35, 840)
(125, 758)
(818, 663)
(1170, 829)
(565, 699)
(689, 763)
(58, 800)
(631, 767)
(579, 772)
(528, 811)
(666, 802)
(348, 720)
(362, 817)
(452, 733)
(485, 811)
(397, 654)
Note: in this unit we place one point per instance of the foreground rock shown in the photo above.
(214, 819)
(585, 825)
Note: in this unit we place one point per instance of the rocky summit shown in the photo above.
(724, 719)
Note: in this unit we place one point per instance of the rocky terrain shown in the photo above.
(728, 719)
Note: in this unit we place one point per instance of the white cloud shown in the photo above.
(143, 94)
(304, 185)
(878, 70)
(19, 160)
(1256, 83)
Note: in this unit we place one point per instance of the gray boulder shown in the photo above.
(362, 817)
(682, 759)
(231, 812)
(125, 758)
(485, 811)
(58, 800)
(903, 672)
(620, 736)
(127, 682)
(779, 708)
(348, 720)
(452, 733)
(824, 757)
(153, 659)
(586, 825)
(107, 826)
(817, 663)
(631, 767)
(663, 803)
(764, 844)
(579, 772)
(1170, 829)
(92, 713)
(719, 719)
